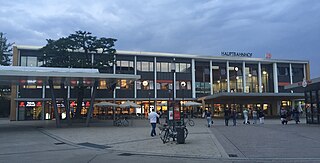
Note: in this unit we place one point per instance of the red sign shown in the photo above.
(176, 114)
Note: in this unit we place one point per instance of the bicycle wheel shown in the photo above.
(185, 133)
(125, 122)
(166, 136)
(191, 122)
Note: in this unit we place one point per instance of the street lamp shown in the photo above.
(173, 70)
(145, 83)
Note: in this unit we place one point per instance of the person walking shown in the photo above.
(296, 115)
(226, 116)
(245, 116)
(254, 116)
(234, 117)
(261, 116)
(208, 117)
(153, 121)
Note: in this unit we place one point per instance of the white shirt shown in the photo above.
(153, 117)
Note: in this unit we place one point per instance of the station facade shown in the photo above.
(166, 77)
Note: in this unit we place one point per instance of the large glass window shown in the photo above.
(30, 61)
(164, 67)
(145, 84)
(267, 78)
(252, 84)
(145, 66)
(236, 80)
(219, 74)
(183, 67)
(203, 86)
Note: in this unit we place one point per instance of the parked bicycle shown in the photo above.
(189, 121)
(168, 132)
(121, 122)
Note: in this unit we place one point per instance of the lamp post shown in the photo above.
(183, 87)
(145, 83)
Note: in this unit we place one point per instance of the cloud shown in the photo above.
(287, 29)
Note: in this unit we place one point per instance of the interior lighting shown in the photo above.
(236, 68)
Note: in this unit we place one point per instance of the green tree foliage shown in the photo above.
(5, 50)
(76, 50)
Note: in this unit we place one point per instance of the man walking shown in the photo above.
(153, 121)
(227, 113)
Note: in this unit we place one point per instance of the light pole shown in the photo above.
(145, 83)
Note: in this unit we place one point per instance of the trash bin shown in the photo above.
(180, 135)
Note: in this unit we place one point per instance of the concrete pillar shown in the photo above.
(155, 77)
(244, 83)
(211, 78)
(193, 73)
(275, 78)
(135, 72)
(228, 76)
(259, 77)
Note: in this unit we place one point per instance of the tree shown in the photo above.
(75, 51)
(5, 50)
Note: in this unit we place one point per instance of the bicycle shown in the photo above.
(190, 122)
(169, 132)
(121, 122)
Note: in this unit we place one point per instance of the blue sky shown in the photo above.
(288, 29)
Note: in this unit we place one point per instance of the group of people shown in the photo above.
(286, 115)
(228, 113)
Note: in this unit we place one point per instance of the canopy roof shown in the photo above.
(250, 97)
(19, 74)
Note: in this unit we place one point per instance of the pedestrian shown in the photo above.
(261, 116)
(296, 115)
(245, 116)
(226, 116)
(208, 117)
(254, 116)
(153, 121)
(283, 116)
(234, 117)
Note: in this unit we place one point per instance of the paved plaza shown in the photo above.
(101, 142)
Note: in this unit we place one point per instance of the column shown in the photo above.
(290, 73)
(244, 83)
(155, 78)
(193, 73)
(259, 77)
(304, 71)
(43, 97)
(228, 76)
(275, 78)
(211, 78)
(135, 72)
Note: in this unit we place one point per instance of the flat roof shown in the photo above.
(177, 55)
(20, 74)
(311, 84)
(250, 97)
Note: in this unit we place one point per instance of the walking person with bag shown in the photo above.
(209, 119)
(153, 121)
(227, 113)
(261, 116)
(234, 116)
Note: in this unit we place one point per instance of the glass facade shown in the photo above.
(219, 73)
(157, 79)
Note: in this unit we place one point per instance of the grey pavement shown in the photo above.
(102, 142)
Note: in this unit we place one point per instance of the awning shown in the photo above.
(225, 98)
(313, 84)
(69, 76)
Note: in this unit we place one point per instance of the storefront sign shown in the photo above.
(170, 114)
(31, 104)
(236, 54)
(176, 114)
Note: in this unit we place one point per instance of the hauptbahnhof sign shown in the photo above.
(236, 54)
